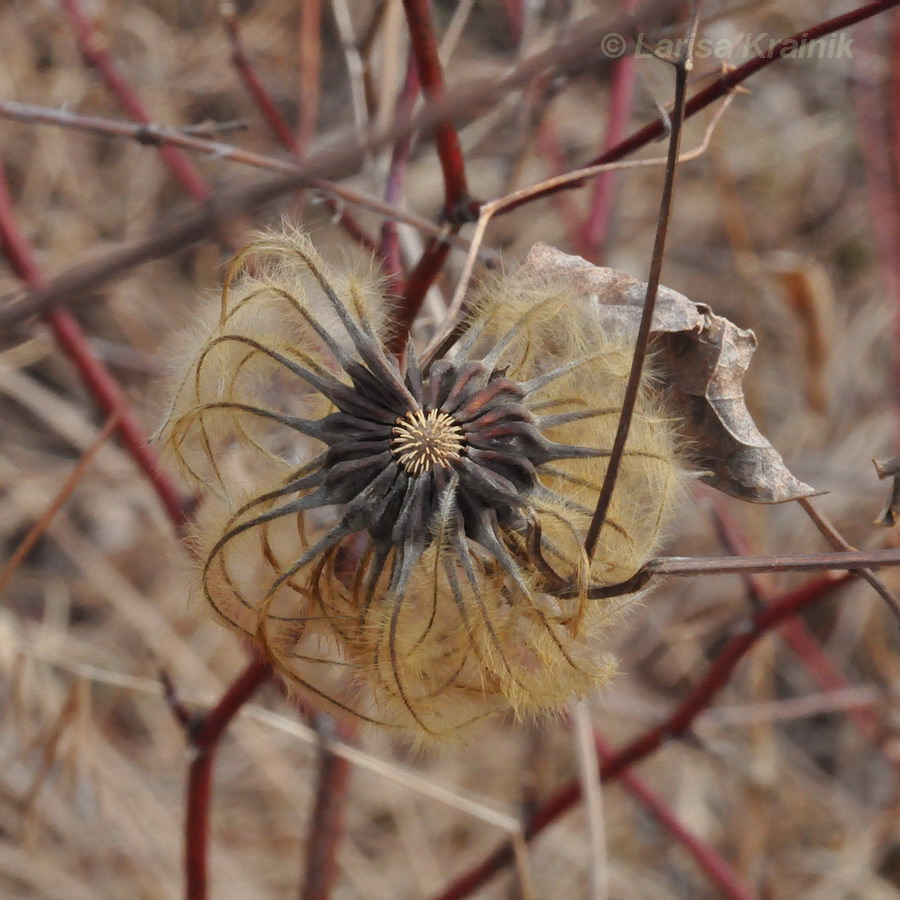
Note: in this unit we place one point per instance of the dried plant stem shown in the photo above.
(156, 135)
(674, 726)
(280, 127)
(594, 231)
(705, 855)
(204, 738)
(501, 204)
(431, 75)
(65, 492)
(96, 377)
(682, 67)
(343, 157)
(328, 815)
(592, 793)
(834, 537)
(730, 80)
(456, 191)
(93, 49)
(309, 63)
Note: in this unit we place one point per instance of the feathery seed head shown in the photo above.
(410, 549)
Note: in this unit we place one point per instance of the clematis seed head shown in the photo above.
(403, 540)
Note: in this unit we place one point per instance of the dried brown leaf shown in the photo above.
(702, 359)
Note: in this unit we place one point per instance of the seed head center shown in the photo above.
(422, 439)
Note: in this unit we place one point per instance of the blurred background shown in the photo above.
(787, 224)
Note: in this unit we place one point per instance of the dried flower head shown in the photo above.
(405, 541)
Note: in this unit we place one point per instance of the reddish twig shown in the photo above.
(261, 97)
(727, 83)
(594, 232)
(457, 203)
(93, 49)
(705, 855)
(342, 159)
(515, 13)
(882, 182)
(65, 492)
(674, 726)
(204, 737)
(431, 75)
(796, 632)
(279, 124)
(308, 64)
(95, 376)
(327, 823)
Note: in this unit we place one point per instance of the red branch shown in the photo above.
(280, 127)
(424, 46)
(674, 726)
(457, 203)
(721, 87)
(204, 738)
(705, 855)
(310, 46)
(594, 232)
(95, 376)
(328, 814)
(93, 49)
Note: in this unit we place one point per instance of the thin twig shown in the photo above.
(594, 232)
(279, 125)
(157, 135)
(501, 204)
(96, 377)
(204, 738)
(705, 855)
(675, 725)
(834, 537)
(93, 49)
(431, 75)
(65, 492)
(326, 826)
(731, 79)
(457, 203)
(343, 155)
(683, 66)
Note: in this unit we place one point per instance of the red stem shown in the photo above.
(328, 816)
(705, 855)
(261, 97)
(281, 129)
(96, 377)
(594, 232)
(93, 49)
(424, 46)
(420, 280)
(720, 87)
(515, 13)
(204, 740)
(676, 724)
(456, 192)
(308, 66)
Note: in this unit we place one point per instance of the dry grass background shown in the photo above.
(773, 227)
